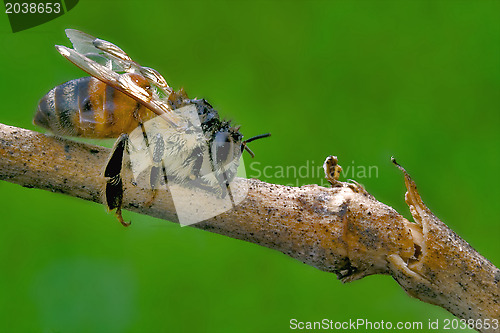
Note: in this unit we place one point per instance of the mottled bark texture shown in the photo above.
(343, 229)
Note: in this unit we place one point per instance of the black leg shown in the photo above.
(226, 182)
(225, 189)
(144, 135)
(164, 171)
(155, 179)
(114, 185)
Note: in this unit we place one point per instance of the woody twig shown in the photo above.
(343, 229)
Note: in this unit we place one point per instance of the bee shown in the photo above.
(170, 139)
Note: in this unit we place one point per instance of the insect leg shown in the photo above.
(226, 182)
(114, 185)
(223, 182)
(144, 134)
(155, 180)
(157, 157)
(165, 179)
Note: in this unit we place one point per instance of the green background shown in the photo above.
(363, 80)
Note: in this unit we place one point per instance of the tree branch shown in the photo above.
(343, 230)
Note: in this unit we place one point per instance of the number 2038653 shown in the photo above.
(32, 8)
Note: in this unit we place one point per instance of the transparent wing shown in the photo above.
(82, 43)
(86, 44)
(110, 64)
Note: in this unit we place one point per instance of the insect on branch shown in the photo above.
(342, 230)
(170, 140)
(177, 148)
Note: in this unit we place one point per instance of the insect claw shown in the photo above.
(119, 216)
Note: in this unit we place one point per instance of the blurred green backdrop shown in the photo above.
(363, 80)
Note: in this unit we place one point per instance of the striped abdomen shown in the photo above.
(87, 107)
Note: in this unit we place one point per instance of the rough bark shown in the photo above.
(343, 229)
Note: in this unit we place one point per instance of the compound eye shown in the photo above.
(223, 146)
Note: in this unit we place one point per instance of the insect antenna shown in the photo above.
(244, 143)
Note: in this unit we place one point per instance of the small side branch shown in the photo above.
(343, 229)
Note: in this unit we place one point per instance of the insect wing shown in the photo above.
(92, 47)
(116, 58)
(123, 82)
(82, 42)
